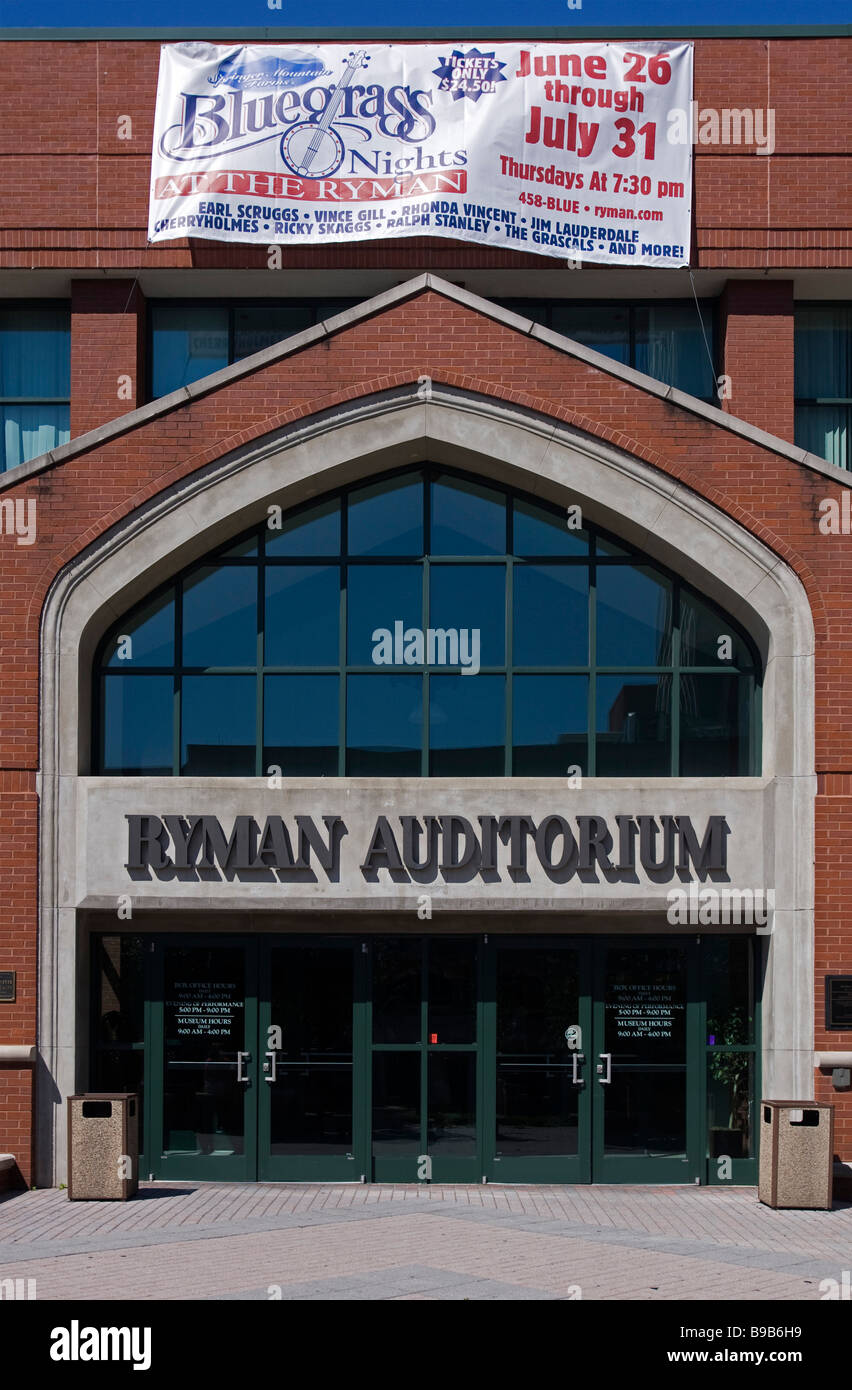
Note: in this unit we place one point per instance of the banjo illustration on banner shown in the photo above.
(313, 148)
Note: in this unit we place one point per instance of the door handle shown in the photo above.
(270, 1070)
(242, 1057)
(605, 1057)
(576, 1059)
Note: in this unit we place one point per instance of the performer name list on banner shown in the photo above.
(574, 150)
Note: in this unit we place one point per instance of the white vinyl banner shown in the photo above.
(576, 150)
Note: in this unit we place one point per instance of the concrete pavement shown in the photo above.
(223, 1241)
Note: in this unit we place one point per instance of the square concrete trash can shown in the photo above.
(796, 1154)
(103, 1147)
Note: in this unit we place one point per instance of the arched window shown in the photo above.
(426, 624)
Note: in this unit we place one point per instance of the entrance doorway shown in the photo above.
(442, 1058)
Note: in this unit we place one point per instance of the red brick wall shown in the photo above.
(757, 352)
(833, 934)
(107, 351)
(772, 496)
(18, 865)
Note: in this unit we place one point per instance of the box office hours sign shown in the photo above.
(575, 150)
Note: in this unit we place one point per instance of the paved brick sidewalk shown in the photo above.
(220, 1241)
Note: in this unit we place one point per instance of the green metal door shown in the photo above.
(646, 1063)
(426, 1059)
(312, 1017)
(538, 1026)
(203, 1062)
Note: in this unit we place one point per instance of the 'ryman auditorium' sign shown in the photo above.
(590, 847)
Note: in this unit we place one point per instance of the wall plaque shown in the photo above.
(838, 1002)
(7, 986)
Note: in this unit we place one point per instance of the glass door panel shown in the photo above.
(307, 1100)
(642, 1110)
(205, 1125)
(452, 1105)
(542, 1090)
(396, 1110)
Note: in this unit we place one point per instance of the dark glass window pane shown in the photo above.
(645, 1005)
(35, 352)
(151, 629)
(378, 596)
(122, 1069)
(713, 727)
(315, 531)
(730, 1104)
(470, 600)
(310, 1109)
(467, 519)
(633, 721)
(138, 723)
(29, 430)
(604, 327)
(386, 518)
(311, 1001)
(605, 547)
(670, 346)
(551, 626)
(397, 988)
(220, 617)
(537, 309)
(384, 726)
(727, 973)
(537, 999)
(452, 1104)
(467, 726)
(256, 329)
(634, 616)
(701, 628)
(204, 1022)
(301, 718)
(189, 341)
(302, 618)
(452, 991)
(825, 430)
(540, 531)
(550, 718)
(646, 1114)
(245, 549)
(823, 347)
(537, 1107)
(396, 1104)
(120, 990)
(219, 719)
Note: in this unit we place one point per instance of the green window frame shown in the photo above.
(823, 380)
(253, 564)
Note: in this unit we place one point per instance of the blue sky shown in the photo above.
(354, 14)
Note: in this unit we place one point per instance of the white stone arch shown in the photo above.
(498, 441)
